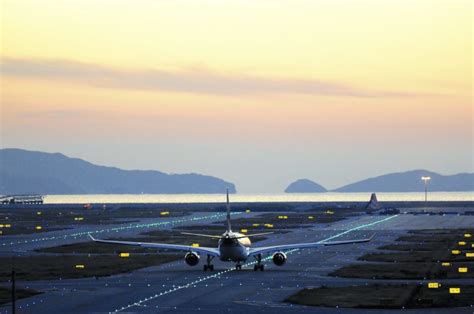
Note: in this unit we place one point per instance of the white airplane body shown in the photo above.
(232, 246)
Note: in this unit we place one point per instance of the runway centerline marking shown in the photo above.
(218, 274)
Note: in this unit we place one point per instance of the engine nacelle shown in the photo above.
(191, 258)
(279, 258)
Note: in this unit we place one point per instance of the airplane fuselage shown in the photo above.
(234, 247)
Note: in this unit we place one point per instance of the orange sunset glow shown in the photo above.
(256, 92)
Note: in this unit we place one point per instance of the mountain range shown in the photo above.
(409, 181)
(23, 172)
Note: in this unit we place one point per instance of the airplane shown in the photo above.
(232, 247)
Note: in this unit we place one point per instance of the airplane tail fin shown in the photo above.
(228, 212)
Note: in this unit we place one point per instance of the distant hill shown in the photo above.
(410, 181)
(305, 186)
(23, 171)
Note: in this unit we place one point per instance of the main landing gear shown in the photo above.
(238, 266)
(258, 265)
(208, 265)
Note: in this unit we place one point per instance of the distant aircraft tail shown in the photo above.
(228, 212)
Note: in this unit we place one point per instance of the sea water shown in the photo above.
(251, 198)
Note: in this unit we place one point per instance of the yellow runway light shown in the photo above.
(462, 269)
(269, 225)
(446, 264)
(256, 225)
(467, 235)
(80, 266)
(434, 285)
(310, 217)
(469, 254)
(78, 218)
(38, 213)
(124, 254)
(8, 226)
(38, 227)
(247, 210)
(164, 213)
(461, 243)
(1, 232)
(454, 290)
(329, 212)
(455, 252)
(2, 225)
(195, 245)
(243, 230)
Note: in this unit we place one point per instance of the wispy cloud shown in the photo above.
(189, 81)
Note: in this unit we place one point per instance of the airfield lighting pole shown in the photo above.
(426, 179)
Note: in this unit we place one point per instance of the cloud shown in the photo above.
(189, 81)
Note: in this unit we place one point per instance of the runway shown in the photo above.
(178, 288)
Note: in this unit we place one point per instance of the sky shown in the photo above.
(259, 93)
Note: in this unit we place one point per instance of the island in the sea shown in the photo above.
(305, 186)
(409, 181)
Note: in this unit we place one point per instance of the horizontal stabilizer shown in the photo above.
(254, 235)
(202, 235)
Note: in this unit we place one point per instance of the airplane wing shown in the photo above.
(276, 248)
(178, 247)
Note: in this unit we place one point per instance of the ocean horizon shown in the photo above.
(255, 198)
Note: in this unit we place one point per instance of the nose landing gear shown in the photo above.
(238, 266)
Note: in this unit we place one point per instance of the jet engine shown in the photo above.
(191, 258)
(279, 258)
